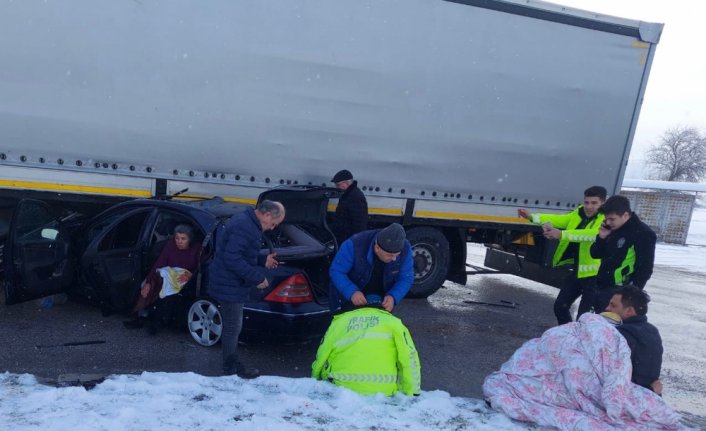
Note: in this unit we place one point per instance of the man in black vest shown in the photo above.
(373, 262)
(352, 210)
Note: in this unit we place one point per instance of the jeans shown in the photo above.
(232, 314)
(571, 289)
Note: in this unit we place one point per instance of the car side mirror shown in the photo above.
(50, 234)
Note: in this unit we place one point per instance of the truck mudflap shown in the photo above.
(510, 263)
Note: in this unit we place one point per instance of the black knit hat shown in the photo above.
(343, 175)
(391, 239)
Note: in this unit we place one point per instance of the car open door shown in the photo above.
(113, 260)
(36, 253)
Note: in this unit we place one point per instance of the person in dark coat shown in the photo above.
(630, 303)
(236, 270)
(179, 252)
(352, 211)
(626, 247)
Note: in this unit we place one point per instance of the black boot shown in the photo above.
(153, 326)
(134, 323)
(232, 367)
(246, 372)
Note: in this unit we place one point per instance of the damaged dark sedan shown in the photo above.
(105, 258)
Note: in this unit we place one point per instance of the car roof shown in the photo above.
(198, 209)
(218, 207)
(297, 199)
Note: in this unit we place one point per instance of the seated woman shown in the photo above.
(171, 271)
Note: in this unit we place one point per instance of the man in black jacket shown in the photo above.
(630, 303)
(352, 211)
(626, 247)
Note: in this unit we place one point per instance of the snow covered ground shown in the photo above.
(177, 401)
(697, 228)
(170, 401)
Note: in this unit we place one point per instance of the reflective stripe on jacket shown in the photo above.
(370, 351)
(567, 223)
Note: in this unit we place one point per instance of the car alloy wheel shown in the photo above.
(205, 322)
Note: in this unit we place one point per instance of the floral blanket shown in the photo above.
(577, 376)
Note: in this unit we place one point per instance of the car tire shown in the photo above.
(204, 322)
(431, 255)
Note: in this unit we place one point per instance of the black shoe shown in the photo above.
(153, 327)
(135, 323)
(241, 371)
(247, 372)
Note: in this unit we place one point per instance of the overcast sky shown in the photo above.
(676, 90)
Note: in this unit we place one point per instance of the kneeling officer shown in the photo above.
(368, 350)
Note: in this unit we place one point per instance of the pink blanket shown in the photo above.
(577, 376)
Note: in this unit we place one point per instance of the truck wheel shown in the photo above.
(204, 322)
(430, 252)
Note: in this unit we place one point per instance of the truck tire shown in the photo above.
(431, 255)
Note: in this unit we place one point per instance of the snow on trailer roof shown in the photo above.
(664, 185)
(645, 31)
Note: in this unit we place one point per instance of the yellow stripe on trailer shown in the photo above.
(202, 197)
(476, 217)
(386, 211)
(74, 188)
(443, 215)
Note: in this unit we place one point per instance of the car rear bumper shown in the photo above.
(272, 325)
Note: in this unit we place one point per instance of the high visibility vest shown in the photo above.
(370, 351)
(567, 223)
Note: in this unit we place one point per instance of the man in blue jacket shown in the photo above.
(377, 262)
(236, 270)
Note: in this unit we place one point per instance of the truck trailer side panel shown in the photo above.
(427, 99)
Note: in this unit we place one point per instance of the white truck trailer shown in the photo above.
(450, 113)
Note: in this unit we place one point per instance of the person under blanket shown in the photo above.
(577, 376)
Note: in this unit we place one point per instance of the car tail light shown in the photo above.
(293, 290)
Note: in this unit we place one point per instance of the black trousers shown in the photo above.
(571, 289)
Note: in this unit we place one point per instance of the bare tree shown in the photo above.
(679, 156)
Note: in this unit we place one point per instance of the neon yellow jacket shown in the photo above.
(370, 351)
(567, 223)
